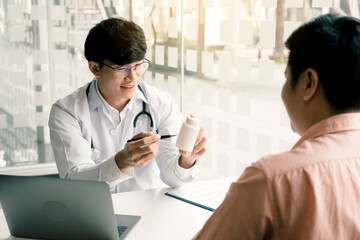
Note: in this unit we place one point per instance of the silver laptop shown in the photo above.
(53, 208)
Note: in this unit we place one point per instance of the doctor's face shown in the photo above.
(121, 81)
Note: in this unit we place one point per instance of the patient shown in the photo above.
(313, 190)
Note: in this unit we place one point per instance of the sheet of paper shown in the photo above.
(41, 118)
(107, 3)
(224, 167)
(266, 70)
(18, 78)
(208, 3)
(41, 98)
(61, 77)
(191, 60)
(173, 85)
(17, 56)
(147, 77)
(243, 139)
(173, 30)
(207, 123)
(159, 55)
(159, 3)
(19, 99)
(269, 3)
(15, 12)
(289, 27)
(192, 29)
(160, 81)
(40, 56)
(294, 3)
(147, 25)
(207, 63)
(244, 69)
(38, 12)
(263, 145)
(322, 3)
(224, 99)
(191, 91)
(245, 32)
(117, 3)
(147, 3)
(227, 32)
(59, 34)
(173, 3)
(16, 34)
(207, 96)
(206, 194)
(136, 19)
(58, 12)
(87, 3)
(21, 120)
(225, 66)
(172, 57)
(41, 78)
(81, 21)
(267, 34)
(192, 4)
(243, 104)
(227, 3)
(60, 56)
(224, 132)
(148, 54)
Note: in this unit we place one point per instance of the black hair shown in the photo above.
(118, 40)
(329, 44)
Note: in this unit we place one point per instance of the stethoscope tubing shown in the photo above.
(143, 112)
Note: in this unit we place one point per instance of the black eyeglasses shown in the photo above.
(123, 72)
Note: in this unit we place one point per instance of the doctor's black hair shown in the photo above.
(117, 40)
(329, 44)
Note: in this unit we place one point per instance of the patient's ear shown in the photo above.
(311, 83)
(94, 68)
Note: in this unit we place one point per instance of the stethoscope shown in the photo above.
(96, 152)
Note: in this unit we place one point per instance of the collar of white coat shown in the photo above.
(95, 100)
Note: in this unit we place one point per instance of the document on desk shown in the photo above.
(206, 194)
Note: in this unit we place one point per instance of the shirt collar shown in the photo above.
(139, 95)
(93, 98)
(336, 123)
(96, 99)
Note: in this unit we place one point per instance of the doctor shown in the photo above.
(89, 128)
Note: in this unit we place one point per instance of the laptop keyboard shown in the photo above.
(121, 229)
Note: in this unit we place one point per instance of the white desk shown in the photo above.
(162, 217)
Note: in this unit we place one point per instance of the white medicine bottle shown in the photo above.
(188, 134)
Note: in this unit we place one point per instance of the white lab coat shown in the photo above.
(78, 118)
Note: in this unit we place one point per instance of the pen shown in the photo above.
(161, 137)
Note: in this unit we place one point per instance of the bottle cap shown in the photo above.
(193, 121)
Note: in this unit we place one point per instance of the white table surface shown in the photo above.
(162, 217)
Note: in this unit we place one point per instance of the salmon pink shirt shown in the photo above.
(309, 192)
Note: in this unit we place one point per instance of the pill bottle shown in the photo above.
(188, 134)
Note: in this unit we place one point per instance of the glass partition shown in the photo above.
(222, 60)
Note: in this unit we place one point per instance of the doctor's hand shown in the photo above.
(187, 159)
(138, 153)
